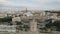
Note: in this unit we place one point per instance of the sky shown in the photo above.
(30, 4)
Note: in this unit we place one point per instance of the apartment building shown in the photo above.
(53, 15)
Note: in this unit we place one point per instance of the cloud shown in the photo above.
(33, 4)
(2, 1)
(13, 3)
(46, 1)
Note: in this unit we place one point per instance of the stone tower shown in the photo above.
(33, 25)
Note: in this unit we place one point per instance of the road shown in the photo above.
(23, 32)
(29, 32)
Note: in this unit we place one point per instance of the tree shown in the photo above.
(6, 19)
(57, 24)
(49, 25)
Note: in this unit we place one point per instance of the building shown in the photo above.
(53, 15)
(7, 28)
(14, 19)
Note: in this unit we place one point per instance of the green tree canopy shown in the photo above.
(6, 19)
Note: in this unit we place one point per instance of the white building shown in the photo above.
(14, 19)
(8, 28)
(3, 15)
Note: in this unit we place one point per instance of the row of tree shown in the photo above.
(6, 19)
(56, 24)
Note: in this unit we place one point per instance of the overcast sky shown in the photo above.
(31, 4)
